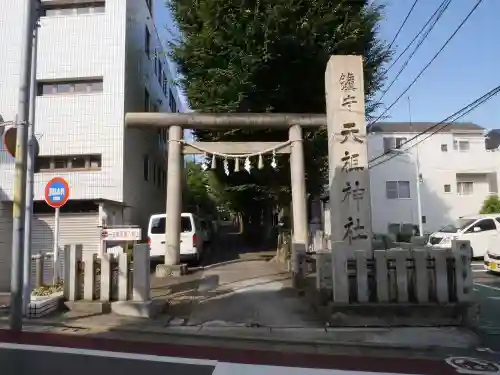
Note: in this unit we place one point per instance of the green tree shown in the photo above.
(491, 205)
(196, 197)
(270, 56)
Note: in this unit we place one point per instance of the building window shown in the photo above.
(147, 42)
(77, 86)
(465, 188)
(146, 168)
(444, 147)
(147, 100)
(171, 102)
(485, 225)
(68, 163)
(165, 83)
(149, 5)
(158, 176)
(424, 221)
(160, 76)
(93, 7)
(391, 143)
(163, 179)
(462, 146)
(447, 188)
(397, 189)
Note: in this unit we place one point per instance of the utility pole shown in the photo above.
(418, 178)
(19, 201)
(32, 145)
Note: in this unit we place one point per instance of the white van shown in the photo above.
(192, 238)
(480, 230)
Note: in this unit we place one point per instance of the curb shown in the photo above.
(294, 341)
(255, 339)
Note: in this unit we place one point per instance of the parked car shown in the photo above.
(492, 256)
(480, 230)
(192, 237)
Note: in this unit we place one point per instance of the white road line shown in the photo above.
(488, 286)
(224, 368)
(479, 271)
(107, 354)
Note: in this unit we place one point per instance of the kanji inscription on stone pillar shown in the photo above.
(350, 210)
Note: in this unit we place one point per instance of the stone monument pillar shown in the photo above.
(349, 180)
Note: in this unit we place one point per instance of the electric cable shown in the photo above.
(416, 36)
(422, 71)
(419, 44)
(403, 23)
(439, 126)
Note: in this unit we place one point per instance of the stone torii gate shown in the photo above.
(351, 223)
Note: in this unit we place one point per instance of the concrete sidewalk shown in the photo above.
(252, 292)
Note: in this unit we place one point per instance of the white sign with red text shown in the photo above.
(121, 234)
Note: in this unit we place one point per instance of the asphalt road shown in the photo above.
(48, 353)
(487, 287)
(50, 360)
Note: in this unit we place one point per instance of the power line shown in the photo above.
(434, 128)
(404, 23)
(421, 41)
(416, 36)
(440, 125)
(429, 63)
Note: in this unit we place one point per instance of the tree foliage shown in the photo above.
(196, 195)
(491, 205)
(270, 56)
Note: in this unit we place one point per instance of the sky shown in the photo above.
(466, 69)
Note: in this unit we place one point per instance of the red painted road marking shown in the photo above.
(236, 356)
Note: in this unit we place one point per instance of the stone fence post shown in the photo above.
(39, 264)
(105, 277)
(72, 258)
(141, 285)
(122, 276)
(89, 276)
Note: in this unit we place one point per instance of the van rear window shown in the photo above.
(158, 225)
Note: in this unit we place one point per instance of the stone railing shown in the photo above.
(110, 282)
(414, 285)
(417, 275)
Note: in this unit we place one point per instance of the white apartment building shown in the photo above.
(96, 62)
(457, 174)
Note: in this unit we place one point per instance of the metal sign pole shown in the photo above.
(56, 247)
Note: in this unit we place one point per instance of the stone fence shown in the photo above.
(110, 282)
(416, 285)
(416, 275)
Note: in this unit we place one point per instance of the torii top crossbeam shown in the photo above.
(223, 120)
